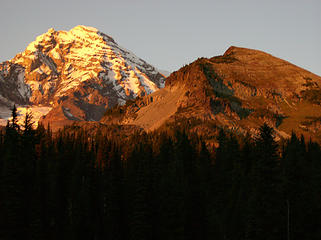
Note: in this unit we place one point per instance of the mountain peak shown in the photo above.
(80, 34)
(239, 90)
(242, 54)
(51, 30)
(85, 28)
(231, 49)
(241, 51)
(78, 73)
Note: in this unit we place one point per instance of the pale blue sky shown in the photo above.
(169, 33)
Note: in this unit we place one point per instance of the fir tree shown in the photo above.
(266, 206)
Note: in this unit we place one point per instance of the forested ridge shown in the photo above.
(159, 185)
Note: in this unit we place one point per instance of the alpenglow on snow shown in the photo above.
(74, 75)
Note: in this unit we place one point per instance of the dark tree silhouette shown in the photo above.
(168, 184)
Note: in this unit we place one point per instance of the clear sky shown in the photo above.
(171, 33)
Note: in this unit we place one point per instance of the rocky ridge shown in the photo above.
(239, 90)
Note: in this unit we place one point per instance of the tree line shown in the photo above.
(159, 185)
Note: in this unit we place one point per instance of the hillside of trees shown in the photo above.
(160, 185)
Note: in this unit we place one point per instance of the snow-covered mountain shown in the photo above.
(74, 75)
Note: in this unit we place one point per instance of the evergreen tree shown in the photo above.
(160, 185)
(266, 206)
(13, 191)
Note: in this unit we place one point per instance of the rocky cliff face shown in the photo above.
(239, 90)
(75, 75)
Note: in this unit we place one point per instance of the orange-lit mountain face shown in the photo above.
(74, 75)
(239, 90)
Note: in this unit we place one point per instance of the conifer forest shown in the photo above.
(159, 185)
